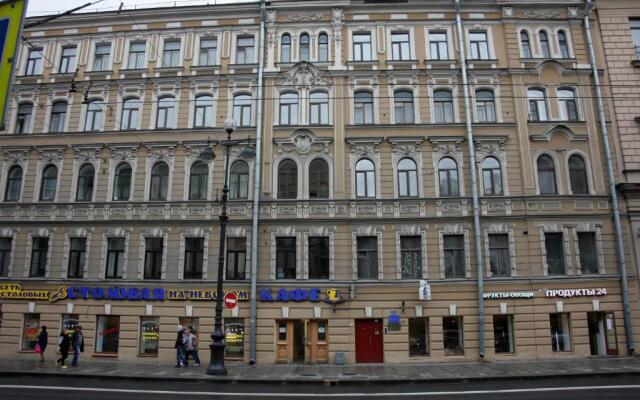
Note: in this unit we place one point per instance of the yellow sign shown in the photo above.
(11, 17)
(14, 291)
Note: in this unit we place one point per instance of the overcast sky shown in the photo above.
(41, 7)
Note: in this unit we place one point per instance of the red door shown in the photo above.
(369, 341)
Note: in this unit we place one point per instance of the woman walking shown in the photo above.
(41, 345)
(63, 343)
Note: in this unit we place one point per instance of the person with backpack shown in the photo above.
(63, 344)
(77, 341)
(191, 344)
(41, 344)
(180, 348)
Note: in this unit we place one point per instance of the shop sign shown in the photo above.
(575, 292)
(393, 322)
(332, 296)
(424, 292)
(508, 295)
(14, 291)
(202, 294)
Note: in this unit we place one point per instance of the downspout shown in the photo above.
(612, 182)
(474, 181)
(257, 181)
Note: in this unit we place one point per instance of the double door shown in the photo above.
(602, 333)
(302, 341)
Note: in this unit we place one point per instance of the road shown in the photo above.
(619, 388)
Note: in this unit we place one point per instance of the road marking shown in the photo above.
(378, 394)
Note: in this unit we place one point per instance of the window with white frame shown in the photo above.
(86, 177)
(400, 46)
(525, 44)
(448, 177)
(93, 116)
(77, 257)
(171, 54)
(485, 106)
(567, 104)
(49, 183)
(122, 182)
(208, 51)
(491, 177)
(287, 179)
(153, 249)
(454, 256)
(323, 47)
(362, 46)
(159, 184)
(304, 50)
(411, 257)
(318, 179)
(39, 256)
(479, 45)
(193, 257)
(289, 108)
(58, 117)
(101, 57)
(319, 257)
(285, 48)
(499, 254)
(23, 118)
(166, 111)
(137, 52)
(546, 175)
(239, 180)
(67, 60)
(442, 106)
(545, 50)
(554, 248)
(34, 61)
(203, 113)
(319, 108)
(563, 45)
(588, 252)
(14, 184)
(286, 257)
(115, 258)
(236, 258)
(407, 178)
(578, 175)
(403, 107)
(242, 109)
(367, 256)
(244, 50)
(365, 178)
(198, 178)
(438, 46)
(130, 114)
(537, 105)
(363, 107)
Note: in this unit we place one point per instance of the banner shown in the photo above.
(11, 17)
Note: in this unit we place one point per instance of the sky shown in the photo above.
(45, 7)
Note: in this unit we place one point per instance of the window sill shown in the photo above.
(204, 67)
(105, 355)
(482, 60)
(440, 61)
(168, 69)
(103, 72)
(363, 63)
(401, 62)
(61, 75)
(34, 76)
(239, 66)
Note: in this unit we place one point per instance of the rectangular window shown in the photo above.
(588, 252)
(418, 337)
(30, 331)
(560, 331)
(153, 258)
(286, 258)
(454, 263)
(244, 50)
(635, 35)
(236, 258)
(362, 46)
(137, 52)
(234, 338)
(400, 50)
(282, 331)
(39, 252)
(411, 257)
(149, 336)
(503, 333)
(67, 60)
(77, 257)
(499, 254)
(479, 45)
(107, 334)
(115, 258)
(452, 336)
(69, 323)
(438, 46)
(554, 246)
(34, 62)
(5, 255)
(193, 257)
(367, 257)
(101, 58)
(319, 257)
(208, 51)
(171, 54)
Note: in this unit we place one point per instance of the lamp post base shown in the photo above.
(216, 367)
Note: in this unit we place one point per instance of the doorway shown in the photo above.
(602, 333)
(318, 338)
(369, 347)
(302, 341)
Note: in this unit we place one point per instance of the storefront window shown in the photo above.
(234, 338)
(503, 333)
(30, 331)
(69, 323)
(107, 334)
(560, 332)
(452, 336)
(418, 337)
(149, 335)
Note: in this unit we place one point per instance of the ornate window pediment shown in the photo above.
(302, 75)
(303, 142)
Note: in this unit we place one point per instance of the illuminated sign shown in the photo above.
(14, 291)
(507, 295)
(285, 295)
(575, 292)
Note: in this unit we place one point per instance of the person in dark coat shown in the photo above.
(180, 347)
(63, 343)
(43, 340)
(77, 341)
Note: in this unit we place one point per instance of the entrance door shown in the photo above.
(369, 341)
(602, 333)
(290, 341)
(298, 340)
(318, 338)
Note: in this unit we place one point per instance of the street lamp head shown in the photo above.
(248, 153)
(207, 154)
(229, 126)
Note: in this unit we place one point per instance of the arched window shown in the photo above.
(546, 175)
(448, 177)
(578, 175)
(86, 176)
(491, 177)
(407, 178)
(544, 44)
(166, 112)
(319, 108)
(49, 183)
(403, 107)
(159, 182)
(567, 104)
(285, 48)
(443, 106)
(242, 109)
(198, 181)
(525, 44)
(304, 47)
(122, 182)
(203, 115)
(287, 180)
(239, 180)
(323, 47)
(14, 184)
(485, 106)
(363, 107)
(130, 114)
(23, 119)
(318, 179)
(288, 109)
(365, 178)
(93, 118)
(562, 44)
(58, 116)
(537, 105)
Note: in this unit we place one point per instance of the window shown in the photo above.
(318, 257)
(67, 60)
(5, 255)
(418, 337)
(171, 54)
(58, 116)
(193, 257)
(234, 338)
(239, 181)
(86, 176)
(23, 118)
(546, 175)
(485, 106)
(286, 258)
(400, 50)
(411, 257)
(438, 46)
(554, 247)
(93, 118)
(14, 184)
(208, 50)
(588, 252)
(107, 334)
(242, 109)
(491, 177)
(503, 333)
(39, 253)
(137, 52)
(122, 182)
(318, 179)
(153, 257)
(537, 105)
(159, 182)
(635, 34)
(578, 175)
(443, 106)
(77, 257)
(479, 45)
(362, 46)
(525, 44)
(454, 263)
(319, 108)
(285, 48)
(69, 323)
(288, 109)
(403, 107)
(365, 178)
(130, 114)
(560, 332)
(30, 331)
(563, 45)
(567, 105)
(198, 181)
(544, 44)
(166, 108)
(287, 180)
(115, 258)
(49, 183)
(101, 58)
(34, 62)
(323, 47)
(363, 108)
(499, 254)
(407, 178)
(244, 50)
(236, 258)
(149, 336)
(304, 47)
(452, 336)
(367, 257)
(448, 177)
(203, 116)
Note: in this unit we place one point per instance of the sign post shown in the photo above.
(11, 17)
(230, 300)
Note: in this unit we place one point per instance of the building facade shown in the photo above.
(366, 243)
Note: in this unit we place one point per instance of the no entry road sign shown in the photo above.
(230, 300)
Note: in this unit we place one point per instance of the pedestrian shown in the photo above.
(180, 349)
(63, 344)
(191, 344)
(77, 341)
(41, 344)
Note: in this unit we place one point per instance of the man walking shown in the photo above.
(180, 348)
(77, 340)
(191, 344)
(43, 340)
(63, 343)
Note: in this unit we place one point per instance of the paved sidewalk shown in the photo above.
(328, 373)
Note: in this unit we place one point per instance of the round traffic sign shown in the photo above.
(230, 300)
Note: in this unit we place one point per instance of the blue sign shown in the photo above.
(285, 295)
(114, 293)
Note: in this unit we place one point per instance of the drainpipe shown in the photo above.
(474, 181)
(257, 181)
(612, 182)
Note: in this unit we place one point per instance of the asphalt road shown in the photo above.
(619, 388)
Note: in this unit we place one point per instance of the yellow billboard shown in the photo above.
(11, 17)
